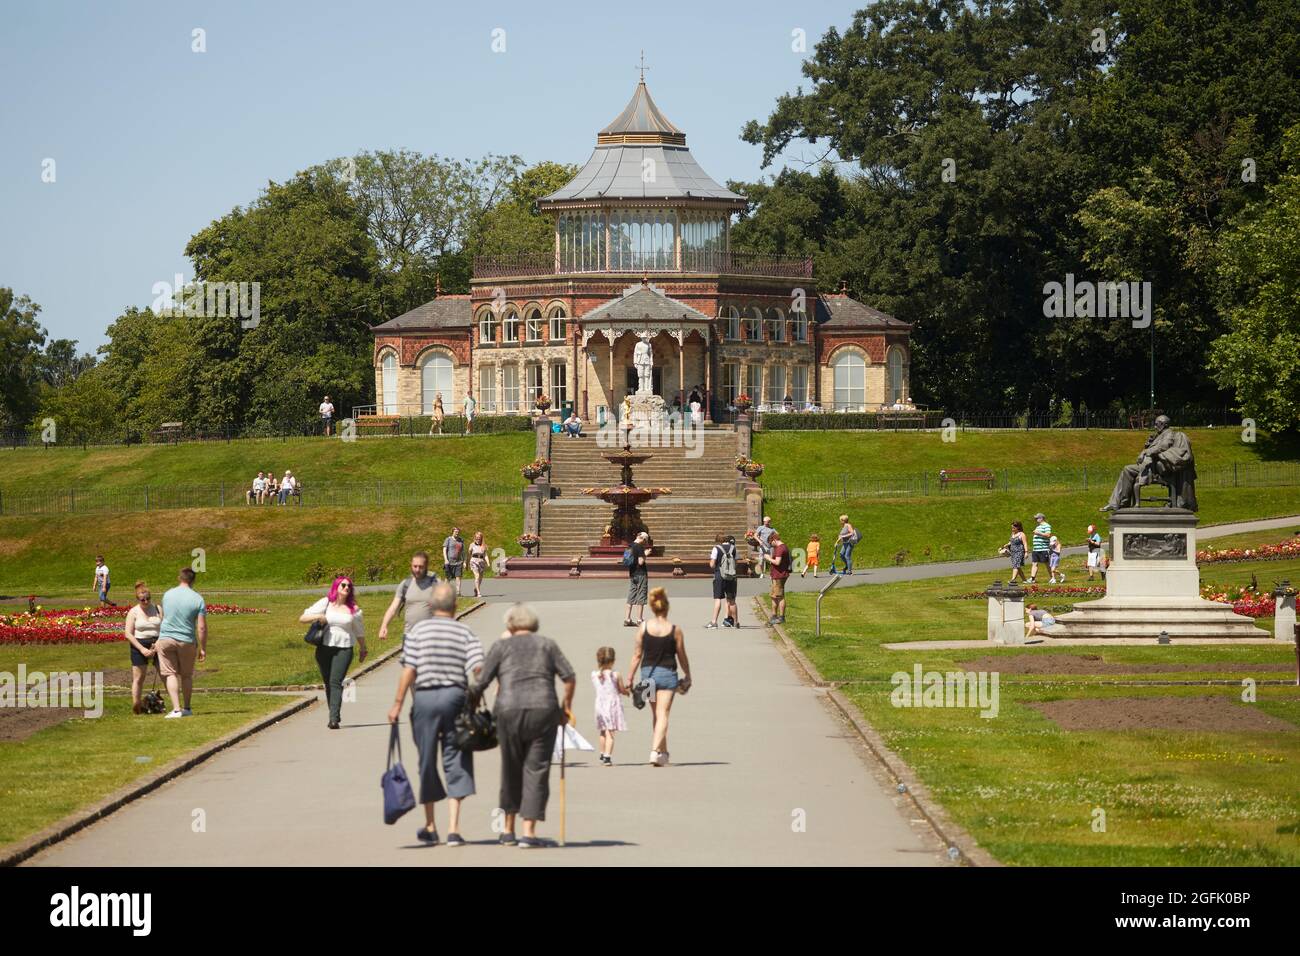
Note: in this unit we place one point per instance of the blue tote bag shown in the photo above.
(398, 796)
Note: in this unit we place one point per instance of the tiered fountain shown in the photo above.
(627, 499)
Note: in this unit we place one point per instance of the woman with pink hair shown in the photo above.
(334, 654)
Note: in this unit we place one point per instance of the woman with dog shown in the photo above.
(142, 624)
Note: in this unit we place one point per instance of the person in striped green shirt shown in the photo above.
(1042, 545)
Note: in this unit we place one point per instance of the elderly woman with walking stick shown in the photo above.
(525, 666)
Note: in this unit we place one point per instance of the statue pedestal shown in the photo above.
(1153, 585)
(645, 411)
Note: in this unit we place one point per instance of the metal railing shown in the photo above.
(706, 262)
(369, 494)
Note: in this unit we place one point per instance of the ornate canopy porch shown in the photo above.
(680, 357)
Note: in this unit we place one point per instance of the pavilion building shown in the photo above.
(642, 244)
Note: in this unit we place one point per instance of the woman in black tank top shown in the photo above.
(660, 644)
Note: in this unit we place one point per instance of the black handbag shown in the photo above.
(475, 727)
(315, 635)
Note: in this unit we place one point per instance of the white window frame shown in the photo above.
(559, 324)
(388, 383)
(729, 380)
(487, 388)
(775, 320)
(774, 385)
(799, 381)
(842, 387)
(487, 327)
(752, 326)
(510, 388)
(437, 360)
(510, 327)
(559, 379)
(533, 324)
(534, 383)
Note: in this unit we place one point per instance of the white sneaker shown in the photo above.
(187, 712)
(663, 759)
(654, 758)
(175, 713)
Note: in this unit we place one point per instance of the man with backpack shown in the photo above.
(722, 559)
(638, 574)
(848, 537)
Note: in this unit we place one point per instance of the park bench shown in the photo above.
(983, 475)
(168, 431)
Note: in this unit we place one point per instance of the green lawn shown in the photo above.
(63, 768)
(1025, 788)
(243, 547)
(975, 526)
(244, 650)
(795, 456)
(494, 458)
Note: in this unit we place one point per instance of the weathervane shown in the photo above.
(643, 67)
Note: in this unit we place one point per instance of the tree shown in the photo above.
(305, 242)
(514, 225)
(1258, 358)
(21, 360)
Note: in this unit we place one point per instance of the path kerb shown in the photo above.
(953, 835)
(16, 853)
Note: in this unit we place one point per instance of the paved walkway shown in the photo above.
(543, 589)
(752, 747)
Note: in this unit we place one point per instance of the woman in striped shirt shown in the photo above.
(439, 655)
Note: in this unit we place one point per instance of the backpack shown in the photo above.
(727, 562)
(855, 537)
(627, 557)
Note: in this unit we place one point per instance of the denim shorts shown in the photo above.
(664, 678)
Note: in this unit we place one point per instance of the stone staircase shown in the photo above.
(704, 500)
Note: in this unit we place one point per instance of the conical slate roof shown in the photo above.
(618, 169)
(641, 117)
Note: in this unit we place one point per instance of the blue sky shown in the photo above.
(152, 141)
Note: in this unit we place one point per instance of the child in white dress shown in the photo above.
(609, 708)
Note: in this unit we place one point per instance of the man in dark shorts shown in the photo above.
(722, 559)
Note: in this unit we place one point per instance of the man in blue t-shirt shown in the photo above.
(1042, 545)
(182, 638)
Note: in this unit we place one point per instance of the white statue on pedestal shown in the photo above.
(643, 361)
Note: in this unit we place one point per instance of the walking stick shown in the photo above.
(562, 793)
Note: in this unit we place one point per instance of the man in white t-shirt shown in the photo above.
(259, 488)
(102, 582)
(327, 416)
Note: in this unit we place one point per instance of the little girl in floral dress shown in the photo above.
(609, 709)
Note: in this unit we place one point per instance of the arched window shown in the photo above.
(487, 327)
(388, 375)
(533, 326)
(775, 325)
(510, 326)
(731, 321)
(435, 379)
(559, 324)
(897, 378)
(800, 322)
(850, 373)
(754, 325)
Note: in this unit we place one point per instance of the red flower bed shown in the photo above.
(1243, 600)
(1290, 548)
(97, 625)
(1048, 590)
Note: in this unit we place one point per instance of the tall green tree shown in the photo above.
(22, 362)
(1258, 358)
(305, 242)
(514, 224)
